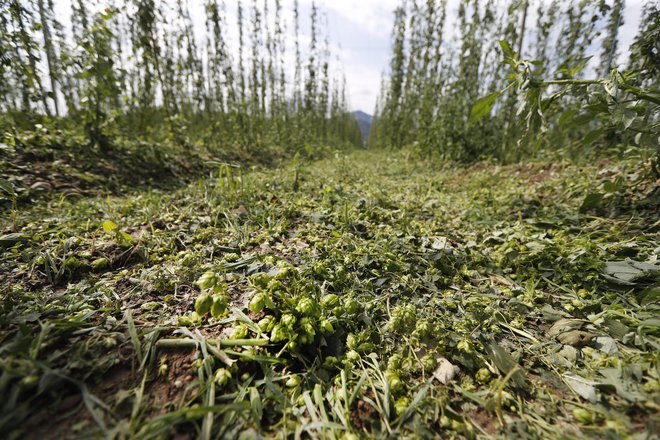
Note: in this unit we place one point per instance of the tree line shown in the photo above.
(138, 67)
(514, 78)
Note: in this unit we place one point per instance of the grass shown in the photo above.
(366, 294)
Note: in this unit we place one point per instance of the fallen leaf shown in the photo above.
(506, 363)
(583, 387)
(576, 338)
(606, 344)
(563, 326)
(445, 371)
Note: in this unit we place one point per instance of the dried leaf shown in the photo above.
(445, 371)
(583, 387)
(576, 338)
(563, 326)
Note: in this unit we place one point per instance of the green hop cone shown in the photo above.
(326, 327)
(279, 333)
(483, 375)
(219, 306)
(306, 307)
(190, 320)
(267, 323)
(260, 280)
(429, 362)
(203, 303)
(207, 280)
(330, 362)
(423, 329)
(222, 376)
(293, 381)
(240, 332)
(330, 301)
(583, 416)
(401, 405)
(258, 302)
(275, 285)
(288, 320)
(395, 362)
(308, 328)
(353, 356)
(394, 380)
(284, 270)
(100, 263)
(352, 307)
(351, 341)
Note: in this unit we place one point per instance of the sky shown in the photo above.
(359, 34)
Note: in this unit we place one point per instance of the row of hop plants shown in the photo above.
(138, 68)
(519, 79)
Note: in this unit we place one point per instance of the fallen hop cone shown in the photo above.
(222, 376)
(207, 280)
(219, 306)
(203, 303)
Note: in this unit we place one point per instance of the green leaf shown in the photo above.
(7, 186)
(630, 272)
(591, 201)
(9, 240)
(124, 238)
(483, 106)
(506, 49)
(575, 70)
(628, 118)
(256, 405)
(590, 137)
(610, 187)
(580, 120)
(110, 226)
(567, 117)
(506, 363)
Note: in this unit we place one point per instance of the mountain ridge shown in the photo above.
(364, 121)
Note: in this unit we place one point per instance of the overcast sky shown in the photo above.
(359, 31)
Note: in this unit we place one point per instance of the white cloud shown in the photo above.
(375, 16)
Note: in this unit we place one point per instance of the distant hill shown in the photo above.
(364, 122)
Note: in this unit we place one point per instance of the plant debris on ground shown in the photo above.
(367, 294)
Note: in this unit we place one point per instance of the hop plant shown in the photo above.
(260, 280)
(401, 405)
(395, 362)
(396, 385)
(279, 333)
(190, 320)
(326, 327)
